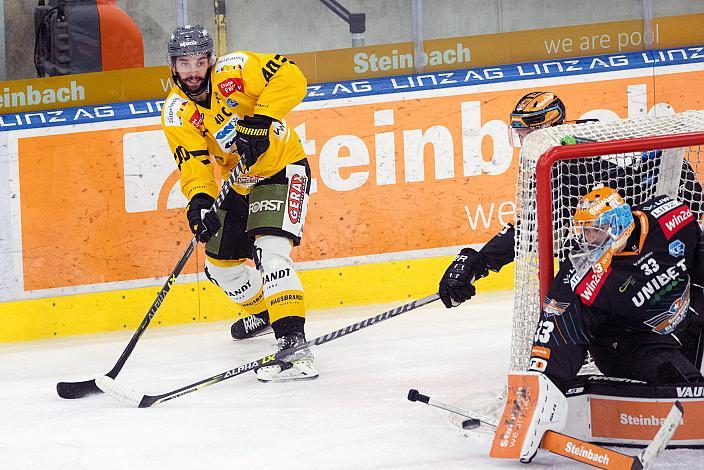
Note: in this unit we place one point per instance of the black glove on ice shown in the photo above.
(252, 137)
(456, 284)
(202, 222)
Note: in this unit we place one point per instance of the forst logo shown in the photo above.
(296, 193)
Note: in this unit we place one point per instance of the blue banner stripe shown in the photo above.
(383, 85)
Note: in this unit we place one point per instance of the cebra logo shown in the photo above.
(148, 170)
(31, 96)
(364, 62)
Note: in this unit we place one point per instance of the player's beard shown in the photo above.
(193, 82)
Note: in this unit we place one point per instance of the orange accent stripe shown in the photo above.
(644, 230)
(585, 452)
(540, 351)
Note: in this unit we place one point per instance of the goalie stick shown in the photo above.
(73, 390)
(133, 398)
(577, 449)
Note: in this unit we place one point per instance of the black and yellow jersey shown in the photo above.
(242, 84)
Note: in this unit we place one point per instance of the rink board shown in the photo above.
(405, 171)
(631, 413)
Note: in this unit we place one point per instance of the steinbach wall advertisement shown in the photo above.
(407, 166)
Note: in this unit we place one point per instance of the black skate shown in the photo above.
(295, 366)
(251, 326)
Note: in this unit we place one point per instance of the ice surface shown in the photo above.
(355, 416)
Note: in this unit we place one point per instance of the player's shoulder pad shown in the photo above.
(178, 109)
(232, 61)
(228, 74)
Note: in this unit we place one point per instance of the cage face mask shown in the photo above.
(601, 226)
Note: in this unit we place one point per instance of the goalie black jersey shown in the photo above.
(647, 287)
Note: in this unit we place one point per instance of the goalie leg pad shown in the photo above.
(534, 405)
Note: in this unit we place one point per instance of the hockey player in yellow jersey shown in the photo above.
(220, 110)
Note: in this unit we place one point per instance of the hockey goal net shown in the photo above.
(641, 158)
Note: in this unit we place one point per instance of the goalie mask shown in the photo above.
(536, 110)
(191, 40)
(601, 226)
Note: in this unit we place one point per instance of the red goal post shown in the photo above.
(544, 183)
(641, 158)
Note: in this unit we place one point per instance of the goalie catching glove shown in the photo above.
(203, 222)
(252, 137)
(456, 284)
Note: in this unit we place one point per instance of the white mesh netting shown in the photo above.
(638, 176)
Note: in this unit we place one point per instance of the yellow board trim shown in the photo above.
(201, 301)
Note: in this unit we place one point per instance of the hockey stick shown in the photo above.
(133, 398)
(72, 390)
(576, 449)
(473, 418)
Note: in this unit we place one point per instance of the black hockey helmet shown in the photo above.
(190, 40)
(536, 110)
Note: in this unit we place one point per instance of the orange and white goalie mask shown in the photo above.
(601, 226)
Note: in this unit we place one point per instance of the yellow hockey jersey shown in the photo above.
(242, 84)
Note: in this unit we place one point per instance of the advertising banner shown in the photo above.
(404, 168)
(380, 60)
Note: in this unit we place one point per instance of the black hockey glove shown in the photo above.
(456, 284)
(252, 137)
(203, 222)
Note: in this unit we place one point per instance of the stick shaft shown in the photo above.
(71, 390)
(150, 400)
(171, 280)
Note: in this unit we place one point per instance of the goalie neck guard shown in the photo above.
(601, 226)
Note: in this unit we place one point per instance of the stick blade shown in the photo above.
(118, 391)
(74, 390)
(663, 436)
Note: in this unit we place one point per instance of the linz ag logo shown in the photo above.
(296, 193)
(230, 86)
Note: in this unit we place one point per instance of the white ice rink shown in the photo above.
(355, 416)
